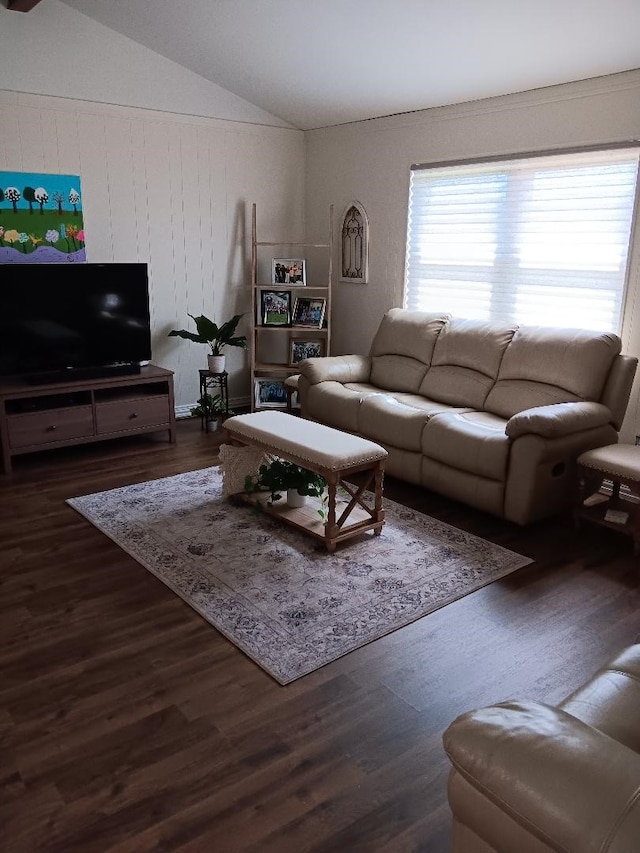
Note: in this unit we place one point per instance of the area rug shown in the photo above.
(275, 592)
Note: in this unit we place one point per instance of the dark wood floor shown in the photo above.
(129, 724)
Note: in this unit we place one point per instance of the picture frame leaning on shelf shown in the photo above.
(309, 312)
(270, 393)
(291, 271)
(275, 307)
(300, 349)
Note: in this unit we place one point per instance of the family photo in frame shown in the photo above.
(308, 311)
(270, 394)
(275, 307)
(300, 349)
(291, 271)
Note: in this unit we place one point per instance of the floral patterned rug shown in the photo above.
(275, 592)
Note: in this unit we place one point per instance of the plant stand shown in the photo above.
(210, 380)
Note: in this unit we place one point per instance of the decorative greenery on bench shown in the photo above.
(281, 475)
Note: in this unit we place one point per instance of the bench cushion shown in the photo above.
(317, 444)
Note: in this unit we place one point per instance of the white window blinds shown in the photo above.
(541, 240)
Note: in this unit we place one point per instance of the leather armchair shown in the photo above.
(529, 777)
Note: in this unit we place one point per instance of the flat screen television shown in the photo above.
(73, 321)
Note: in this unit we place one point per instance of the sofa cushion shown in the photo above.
(397, 420)
(474, 442)
(397, 372)
(543, 366)
(434, 407)
(402, 348)
(465, 362)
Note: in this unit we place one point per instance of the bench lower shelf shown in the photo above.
(307, 518)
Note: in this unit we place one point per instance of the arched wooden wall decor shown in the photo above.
(354, 245)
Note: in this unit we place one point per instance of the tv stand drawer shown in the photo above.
(47, 427)
(132, 414)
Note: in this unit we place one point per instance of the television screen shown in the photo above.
(79, 317)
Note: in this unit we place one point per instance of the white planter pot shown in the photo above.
(295, 499)
(216, 363)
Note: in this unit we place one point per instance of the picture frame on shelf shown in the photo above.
(270, 393)
(300, 349)
(309, 311)
(275, 307)
(291, 271)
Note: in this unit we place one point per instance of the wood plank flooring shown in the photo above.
(127, 723)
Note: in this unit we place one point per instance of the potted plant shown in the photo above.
(213, 408)
(216, 337)
(283, 476)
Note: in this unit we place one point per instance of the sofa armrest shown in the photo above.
(337, 368)
(558, 419)
(562, 781)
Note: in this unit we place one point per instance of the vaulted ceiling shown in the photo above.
(324, 62)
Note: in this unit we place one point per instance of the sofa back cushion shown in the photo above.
(402, 348)
(544, 365)
(465, 363)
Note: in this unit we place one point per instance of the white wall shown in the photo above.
(166, 188)
(370, 162)
(55, 50)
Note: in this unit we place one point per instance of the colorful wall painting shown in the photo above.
(41, 219)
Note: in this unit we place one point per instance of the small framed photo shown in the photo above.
(275, 307)
(291, 271)
(309, 312)
(270, 394)
(299, 349)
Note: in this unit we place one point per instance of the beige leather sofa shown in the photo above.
(491, 415)
(529, 777)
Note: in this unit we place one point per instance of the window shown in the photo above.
(541, 240)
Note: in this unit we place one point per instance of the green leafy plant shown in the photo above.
(281, 475)
(210, 407)
(216, 337)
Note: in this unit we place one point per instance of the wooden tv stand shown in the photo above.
(43, 416)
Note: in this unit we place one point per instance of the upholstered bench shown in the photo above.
(333, 454)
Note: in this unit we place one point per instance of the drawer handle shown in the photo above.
(51, 428)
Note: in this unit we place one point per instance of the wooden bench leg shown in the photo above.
(331, 529)
(379, 512)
